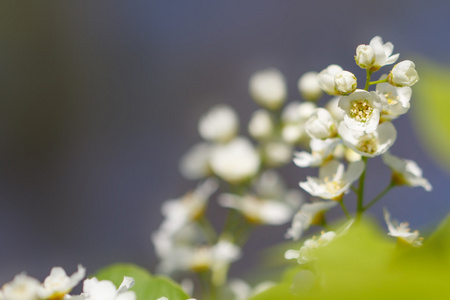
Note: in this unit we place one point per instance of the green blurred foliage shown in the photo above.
(147, 287)
(430, 108)
(365, 263)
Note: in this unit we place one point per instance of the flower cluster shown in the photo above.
(58, 285)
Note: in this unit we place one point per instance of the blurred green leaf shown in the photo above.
(430, 108)
(147, 287)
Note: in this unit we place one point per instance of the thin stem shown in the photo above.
(368, 74)
(379, 196)
(344, 208)
(360, 205)
(378, 81)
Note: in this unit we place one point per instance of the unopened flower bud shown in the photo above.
(261, 124)
(308, 85)
(326, 79)
(268, 88)
(403, 74)
(345, 82)
(365, 56)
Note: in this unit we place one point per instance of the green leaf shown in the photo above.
(146, 287)
(430, 108)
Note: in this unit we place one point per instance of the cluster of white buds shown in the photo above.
(58, 285)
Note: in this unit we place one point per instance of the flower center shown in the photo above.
(360, 110)
(392, 100)
(332, 186)
(368, 144)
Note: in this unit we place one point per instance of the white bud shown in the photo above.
(268, 88)
(365, 56)
(277, 153)
(261, 124)
(309, 87)
(403, 74)
(345, 82)
(326, 79)
(219, 124)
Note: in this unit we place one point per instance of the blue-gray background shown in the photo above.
(99, 99)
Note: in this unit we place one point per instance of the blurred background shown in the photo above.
(99, 100)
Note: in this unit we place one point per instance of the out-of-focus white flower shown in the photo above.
(261, 125)
(402, 231)
(22, 287)
(309, 214)
(383, 53)
(403, 74)
(191, 206)
(277, 153)
(351, 155)
(326, 79)
(405, 171)
(235, 161)
(369, 144)
(309, 87)
(394, 100)
(334, 109)
(219, 124)
(321, 151)
(268, 88)
(294, 116)
(333, 180)
(321, 125)
(195, 163)
(306, 252)
(58, 284)
(345, 82)
(362, 110)
(365, 56)
(93, 289)
(243, 291)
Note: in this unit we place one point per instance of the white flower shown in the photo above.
(268, 88)
(334, 109)
(309, 87)
(22, 287)
(195, 163)
(261, 125)
(326, 79)
(369, 144)
(294, 116)
(93, 289)
(309, 214)
(277, 153)
(345, 82)
(365, 56)
(403, 74)
(321, 125)
(406, 172)
(402, 232)
(219, 124)
(333, 181)
(306, 252)
(394, 100)
(235, 161)
(383, 53)
(362, 110)
(57, 284)
(321, 151)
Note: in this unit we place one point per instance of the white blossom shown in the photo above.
(369, 144)
(22, 287)
(321, 151)
(277, 153)
(309, 87)
(394, 100)
(294, 116)
(365, 56)
(321, 125)
(402, 231)
(403, 74)
(326, 79)
(383, 53)
(268, 88)
(58, 284)
(362, 110)
(309, 214)
(93, 289)
(219, 124)
(333, 180)
(334, 109)
(195, 163)
(406, 172)
(235, 161)
(345, 82)
(261, 125)
(306, 252)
